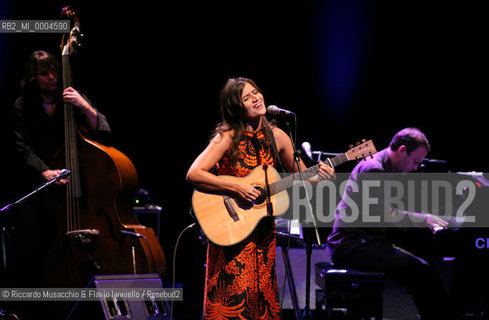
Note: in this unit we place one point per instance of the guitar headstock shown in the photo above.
(71, 42)
(362, 150)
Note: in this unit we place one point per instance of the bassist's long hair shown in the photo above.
(37, 59)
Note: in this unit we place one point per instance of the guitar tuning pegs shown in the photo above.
(357, 143)
(350, 146)
(364, 140)
(371, 156)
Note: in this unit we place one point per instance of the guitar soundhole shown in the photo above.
(262, 197)
(243, 204)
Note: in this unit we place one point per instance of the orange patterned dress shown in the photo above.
(240, 280)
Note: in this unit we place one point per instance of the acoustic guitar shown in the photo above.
(227, 220)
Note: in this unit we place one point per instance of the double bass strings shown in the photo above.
(73, 190)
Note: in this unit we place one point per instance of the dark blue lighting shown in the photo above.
(342, 29)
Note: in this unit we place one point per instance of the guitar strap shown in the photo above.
(277, 155)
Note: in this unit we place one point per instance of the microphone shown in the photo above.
(274, 110)
(306, 146)
(134, 234)
(65, 173)
(437, 161)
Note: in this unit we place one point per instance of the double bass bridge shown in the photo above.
(85, 236)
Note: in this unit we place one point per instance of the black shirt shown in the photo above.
(38, 136)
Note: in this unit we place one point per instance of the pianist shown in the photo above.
(369, 249)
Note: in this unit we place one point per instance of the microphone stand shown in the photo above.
(321, 153)
(36, 190)
(132, 244)
(307, 237)
(65, 174)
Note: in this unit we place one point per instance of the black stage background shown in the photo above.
(348, 69)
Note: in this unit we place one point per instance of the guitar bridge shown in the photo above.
(228, 203)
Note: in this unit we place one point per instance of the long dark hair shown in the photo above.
(233, 115)
(37, 59)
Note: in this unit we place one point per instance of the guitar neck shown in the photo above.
(308, 173)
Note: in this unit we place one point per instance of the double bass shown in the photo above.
(96, 231)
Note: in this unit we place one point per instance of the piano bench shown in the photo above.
(348, 294)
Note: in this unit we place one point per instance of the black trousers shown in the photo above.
(404, 268)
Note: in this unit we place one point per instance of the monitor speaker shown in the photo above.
(120, 308)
